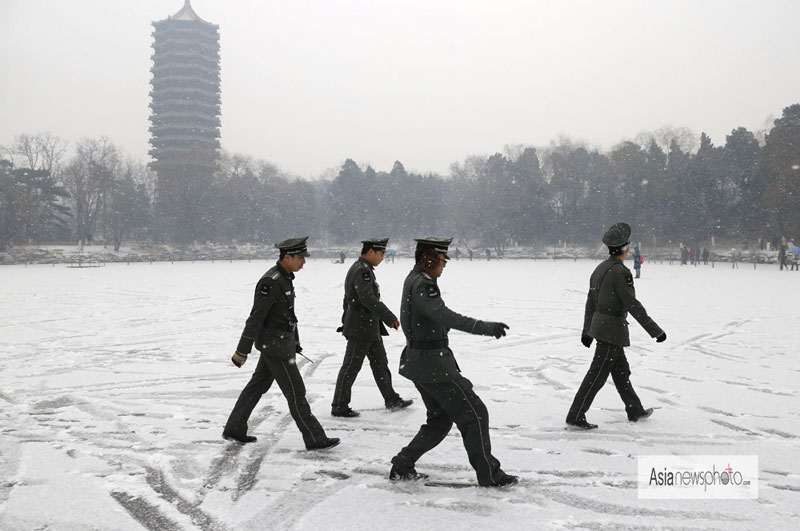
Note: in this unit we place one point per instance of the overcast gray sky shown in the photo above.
(309, 83)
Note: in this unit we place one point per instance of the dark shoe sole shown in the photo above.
(241, 439)
(584, 427)
(345, 414)
(417, 476)
(335, 442)
(400, 405)
(509, 481)
(647, 413)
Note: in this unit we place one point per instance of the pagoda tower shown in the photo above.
(185, 119)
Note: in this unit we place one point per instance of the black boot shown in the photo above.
(344, 412)
(643, 415)
(403, 470)
(398, 404)
(506, 481)
(244, 439)
(324, 444)
(582, 424)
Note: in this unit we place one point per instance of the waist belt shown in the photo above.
(612, 313)
(424, 345)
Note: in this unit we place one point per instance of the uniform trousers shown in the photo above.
(455, 402)
(608, 359)
(356, 351)
(291, 384)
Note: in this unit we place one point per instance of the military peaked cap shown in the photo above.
(294, 246)
(379, 244)
(439, 244)
(618, 235)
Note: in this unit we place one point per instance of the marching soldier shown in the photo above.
(272, 326)
(363, 325)
(611, 297)
(429, 363)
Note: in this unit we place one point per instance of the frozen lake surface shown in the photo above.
(115, 383)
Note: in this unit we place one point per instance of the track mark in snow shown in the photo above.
(592, 504)
(734, 427)
(599, 451)
(717, 411)
(780, 433)
(145, 512)
(310, 490)
(737, 323)
(794, 488)
(157, 482)
(333, 474)
(249, 476)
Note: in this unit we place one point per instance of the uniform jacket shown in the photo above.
(611, 297)
(272, 324)
(363, 309)
(426, 320)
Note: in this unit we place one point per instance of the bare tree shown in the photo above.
(89, 178)
(42, 151)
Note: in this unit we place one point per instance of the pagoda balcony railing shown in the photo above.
(184, 56)
(185, 106)
(209, 98)
(179, 123)
(184, 82)
(175, 78)
(185, 67)
(167, 141)
(185, 26)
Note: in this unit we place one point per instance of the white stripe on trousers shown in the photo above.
(283, 364)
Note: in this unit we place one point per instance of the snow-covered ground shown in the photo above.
(115, 383)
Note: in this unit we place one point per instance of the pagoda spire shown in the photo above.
(186, 12)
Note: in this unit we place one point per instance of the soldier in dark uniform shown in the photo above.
(429, 363)
(363, 325)
(611, 297)
(272, 326)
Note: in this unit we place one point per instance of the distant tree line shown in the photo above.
(669, 185)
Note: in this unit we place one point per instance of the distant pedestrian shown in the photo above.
(488, 255)
(272, 327)
(470, 253)
(457, 254)
(363, 323)
(705, 255)
(792, 255)
(782, 257)
(342, 257)
(638, 259)
(611, 296)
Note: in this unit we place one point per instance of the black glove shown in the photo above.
(499, 330)
(238, 359)
(661, 338)
(340, 329)
(297, 348)
(586, 340)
